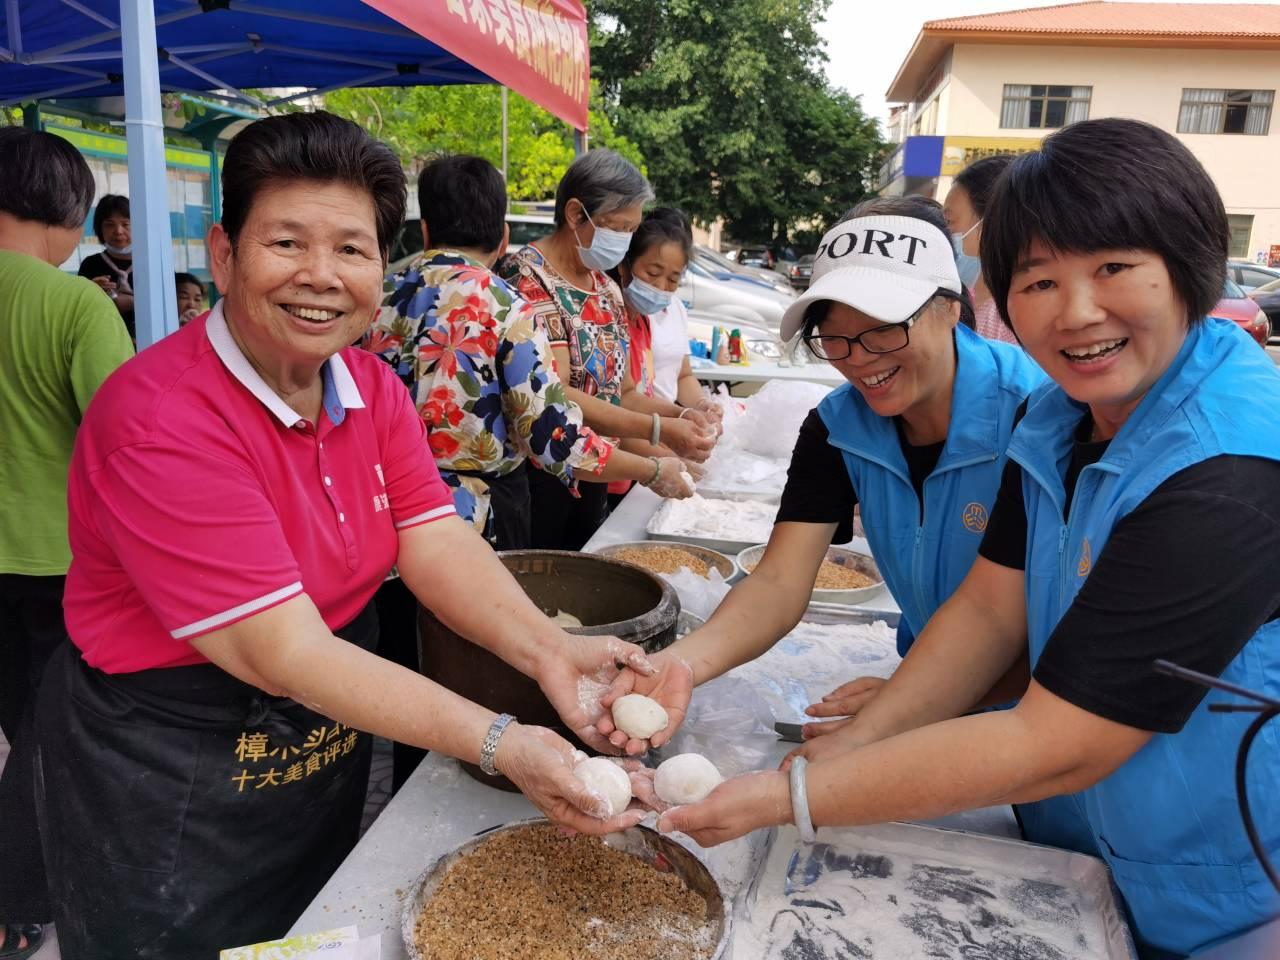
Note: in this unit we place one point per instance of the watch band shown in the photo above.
(800, 800)
(490, 746)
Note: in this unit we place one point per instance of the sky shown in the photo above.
(867, 66)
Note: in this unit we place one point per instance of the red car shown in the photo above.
(1234, 305)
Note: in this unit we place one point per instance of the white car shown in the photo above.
(720, 265)
(734, 301)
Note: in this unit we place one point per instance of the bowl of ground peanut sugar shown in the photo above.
(524, 892)
(845, 576)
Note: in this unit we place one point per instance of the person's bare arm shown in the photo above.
(761, 608)
(1044, 747)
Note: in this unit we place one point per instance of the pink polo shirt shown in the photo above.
(197, 497)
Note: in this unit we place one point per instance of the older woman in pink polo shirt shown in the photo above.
(237, 494)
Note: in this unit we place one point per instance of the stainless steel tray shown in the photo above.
(728, 547)
(900, 890)
(662, 852)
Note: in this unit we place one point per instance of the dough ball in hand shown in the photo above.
(686, 778)
(638, 716)
(607, 779)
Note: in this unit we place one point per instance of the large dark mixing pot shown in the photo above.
(618, 599)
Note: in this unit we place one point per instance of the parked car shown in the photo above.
(733, 299)
(1249, 276)
(527, 227)
(757, 257)
(1234, 305)
(800, 272)
(1267, 297)
(725, 269)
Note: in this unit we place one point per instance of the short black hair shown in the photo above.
(109, 205)
(318, 147)
(602, 181)
(180, 278)
(979, 178)
(661, 225)
(464, 203)
(1111, 185)
(912, 205)
(43, 178)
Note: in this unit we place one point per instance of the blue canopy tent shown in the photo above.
(219, 49)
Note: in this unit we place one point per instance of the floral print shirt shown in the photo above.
(479, 367)
(591, 323)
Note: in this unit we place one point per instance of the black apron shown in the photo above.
(184, 811)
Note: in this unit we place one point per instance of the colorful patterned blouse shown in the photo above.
(477, 362)
(592, 324)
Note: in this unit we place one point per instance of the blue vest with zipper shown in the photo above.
(923, 558)
(1166, 821)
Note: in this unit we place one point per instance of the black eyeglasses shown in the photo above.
(883, 339)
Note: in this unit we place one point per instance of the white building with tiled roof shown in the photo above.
(1000, 82)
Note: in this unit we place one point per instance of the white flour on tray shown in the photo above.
(873, 897)
(746, 521)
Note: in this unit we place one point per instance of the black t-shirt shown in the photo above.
(1187, 577)
(97, 266)
(818, 487)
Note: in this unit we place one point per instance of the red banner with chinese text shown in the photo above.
(538, 48)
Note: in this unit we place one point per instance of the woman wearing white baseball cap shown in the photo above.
(917, 438)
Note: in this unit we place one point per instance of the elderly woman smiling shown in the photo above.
(237, 494)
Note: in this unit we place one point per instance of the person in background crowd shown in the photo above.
(965, 206)
(648, 276)
(190, 297)
(61, 340)
(598, 207)
(1137, 521)
(238, 493)
(112, 269)
(480, 370)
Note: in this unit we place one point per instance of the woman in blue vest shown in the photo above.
(917, 437)
(1137, 520)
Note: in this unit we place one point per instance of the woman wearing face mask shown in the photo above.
(112, 269)
(659, 379)
(1136, 521)
(965, 206)
(916, 439)
(598, 208)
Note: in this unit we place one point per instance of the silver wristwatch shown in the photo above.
(490, 746)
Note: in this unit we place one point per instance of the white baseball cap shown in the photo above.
(885, 267)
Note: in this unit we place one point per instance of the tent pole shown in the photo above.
(504, 143)
(155, 302)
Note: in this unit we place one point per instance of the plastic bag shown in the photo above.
(698, 595)
(773, 417)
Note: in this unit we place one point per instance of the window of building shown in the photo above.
(1226, 111)
(1241, 226)
(1043, 105)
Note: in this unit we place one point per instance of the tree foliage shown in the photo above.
(422, 122)
(728, 103)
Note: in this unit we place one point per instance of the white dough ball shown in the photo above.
(686, 778)
(607, 779)
(639, 716)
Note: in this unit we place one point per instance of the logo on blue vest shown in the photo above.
(974, 517)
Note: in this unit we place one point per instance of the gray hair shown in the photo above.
(603, 181)
(43, 178)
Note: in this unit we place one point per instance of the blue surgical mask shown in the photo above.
(607, 249)
(126, 251)
(646, 298)
(969, 268)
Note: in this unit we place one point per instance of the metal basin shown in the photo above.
(648, 845)
(617, 599)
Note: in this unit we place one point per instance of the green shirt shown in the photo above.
(60, 336)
